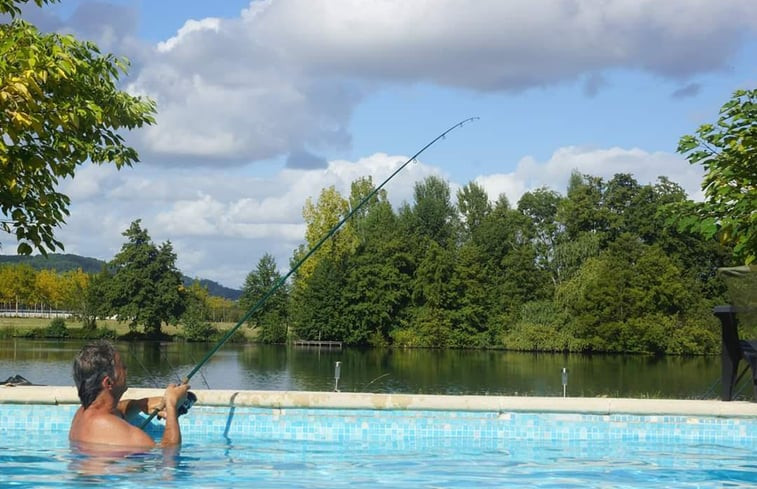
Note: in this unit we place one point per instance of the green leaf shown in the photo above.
(24, 249)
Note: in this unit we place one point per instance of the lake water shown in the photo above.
(273, 367)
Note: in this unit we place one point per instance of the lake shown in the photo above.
(275, 367)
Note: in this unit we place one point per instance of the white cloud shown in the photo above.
(222, 224)
(555, 172)
(286, 75)
(191, 26)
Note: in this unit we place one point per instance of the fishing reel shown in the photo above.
(187, 404)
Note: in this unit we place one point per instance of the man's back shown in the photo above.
(105, 427)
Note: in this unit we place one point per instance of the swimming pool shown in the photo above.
(320, 440)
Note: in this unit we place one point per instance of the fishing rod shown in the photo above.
(302, 260)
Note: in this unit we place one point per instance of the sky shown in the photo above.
(261, 104)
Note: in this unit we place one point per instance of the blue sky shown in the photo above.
(262, 104)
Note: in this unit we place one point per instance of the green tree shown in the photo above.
(473, 204)
(320, 302)
(728, 152)
(583, 209)
(434, 215)
(540, 207)
(194, 319)
(59, 107)
(85, 296)
(320, 218)
(271, 319)
(377, 287)
(145, 287)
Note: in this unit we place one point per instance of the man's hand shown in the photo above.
(174, 396)
(157, 404)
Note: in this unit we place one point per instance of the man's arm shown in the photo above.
(175, 395)
(130, 408)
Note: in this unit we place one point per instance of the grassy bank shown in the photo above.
(16, 327)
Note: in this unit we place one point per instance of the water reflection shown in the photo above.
(154, 364)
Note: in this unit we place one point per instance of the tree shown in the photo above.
(84, 295)
(59, 107)
(194, 320)
(540, 206)
(377, 285)
(728, 152)
(49, 289)
(473, 204)
(145, 287)
(583, 209)
(320, 218)
(271, 318)
(435, 216)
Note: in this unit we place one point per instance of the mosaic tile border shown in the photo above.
(403, 427)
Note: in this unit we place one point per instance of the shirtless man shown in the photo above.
(100, 377)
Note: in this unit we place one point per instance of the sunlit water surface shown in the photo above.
(46, 460)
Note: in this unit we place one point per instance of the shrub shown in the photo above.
(56, 329)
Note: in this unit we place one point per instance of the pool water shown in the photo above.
(45, 459)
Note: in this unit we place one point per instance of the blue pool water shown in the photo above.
(311, 448)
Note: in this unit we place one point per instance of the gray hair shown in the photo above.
(93, 362)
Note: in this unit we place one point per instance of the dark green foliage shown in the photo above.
(597, 270)
(728, 152)
(320, 304)
(194, 325)
(271, 318)
(57, 329)
(144, 287)
(434, 217)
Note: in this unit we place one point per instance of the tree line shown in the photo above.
(602, 268)
(610, 266)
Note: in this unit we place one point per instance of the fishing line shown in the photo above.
(302, 260)
(202, 375)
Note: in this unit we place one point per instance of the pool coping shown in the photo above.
(58, 395)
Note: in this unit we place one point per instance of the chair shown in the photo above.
(733, 350)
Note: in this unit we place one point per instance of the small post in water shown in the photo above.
(337, 372)
(564, 382)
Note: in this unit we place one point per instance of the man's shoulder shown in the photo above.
(108, 428)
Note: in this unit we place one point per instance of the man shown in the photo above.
(100, 377)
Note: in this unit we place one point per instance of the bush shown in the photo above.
(237, 337)
(194, 325)
(56, 329)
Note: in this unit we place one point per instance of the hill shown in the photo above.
(66, 262)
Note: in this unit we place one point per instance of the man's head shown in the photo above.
(97, 367)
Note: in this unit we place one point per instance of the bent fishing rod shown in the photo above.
(302, 260)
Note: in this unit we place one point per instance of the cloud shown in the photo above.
(593, 84)
(304, 160)
(555, 173)
(690, 90)
(222, 224)
(288, 74)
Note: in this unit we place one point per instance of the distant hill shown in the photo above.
(66, 262)
(56, 261)
(214, 288)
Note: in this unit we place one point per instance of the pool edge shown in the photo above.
(344, 400)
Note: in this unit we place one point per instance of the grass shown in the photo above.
(11, 327)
